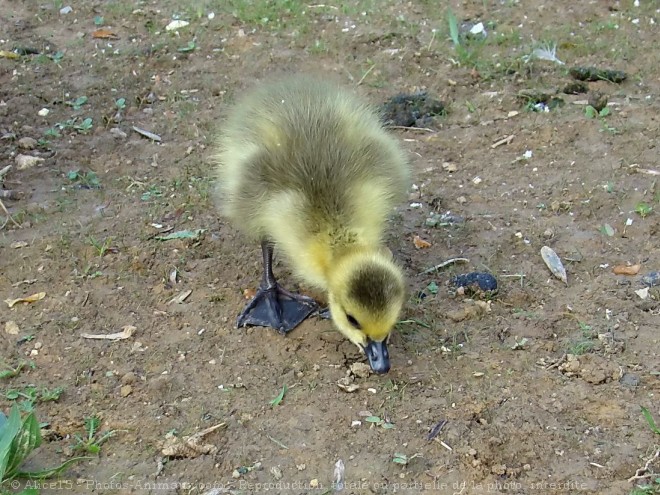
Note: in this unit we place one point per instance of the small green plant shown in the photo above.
(84, 127)
(120, 103)
(27, 397)
(643, 209)
(375, 420)
(102, 248)
(403, 459)
(607, 230)
(584, 344)
(98, 20)
(591, 113)
(92, 441)
(151, 192)
(18, 438)
(10, 372)
(88, 180)
(77, 103)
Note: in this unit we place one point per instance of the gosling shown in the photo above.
(307, 168)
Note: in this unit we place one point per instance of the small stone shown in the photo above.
(128, 378)
(27, 161)
(66, 10)
(235, 474)
(314, 483)
(43, 112)
(11, 327)
(301, 467)
(549, 233)
(629, 380)
(449, 167)
(361, 370)
(126, 390)
(34, 352)
(38, 345)
(461, 200)
(27, 143)
(598, 100)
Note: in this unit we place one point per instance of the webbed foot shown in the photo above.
(324, 313)
(277, 308)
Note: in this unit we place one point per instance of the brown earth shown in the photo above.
(541, 388)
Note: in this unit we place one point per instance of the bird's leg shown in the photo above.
(273, 306)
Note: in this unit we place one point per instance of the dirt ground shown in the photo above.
(540, 388)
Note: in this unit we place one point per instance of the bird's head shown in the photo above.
(366, 294)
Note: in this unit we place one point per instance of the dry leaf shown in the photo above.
(104, 34)
(627, 269)
(420, 243)
(126, 333)
(554, 263)
(30, 299)
(11, 328)
(192, 446)
(18, 244)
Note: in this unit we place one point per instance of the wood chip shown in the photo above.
(627, 269)
(506, 140)
(126, 333)
(180, 298)
(147, 134)
(421, 243)
(105, 34)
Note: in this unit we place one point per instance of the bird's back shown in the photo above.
(305, 156)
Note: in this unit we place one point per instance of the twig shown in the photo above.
(506, 140)
(640, 473)
(557, 363)
(366, 74)
(277, 442)
(445, 263)
(9, 217)
(425, 129)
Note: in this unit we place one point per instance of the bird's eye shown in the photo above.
(351, 319)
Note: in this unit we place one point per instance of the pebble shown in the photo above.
(128, 378)
(126, 390)
(629, 380)
(651, 279)
(27, 143)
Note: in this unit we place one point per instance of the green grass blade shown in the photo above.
(453, 28)
(650, 421)
(49, 473)
(276, 401)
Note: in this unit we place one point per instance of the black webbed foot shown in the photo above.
(324, 313)
(277, 308)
